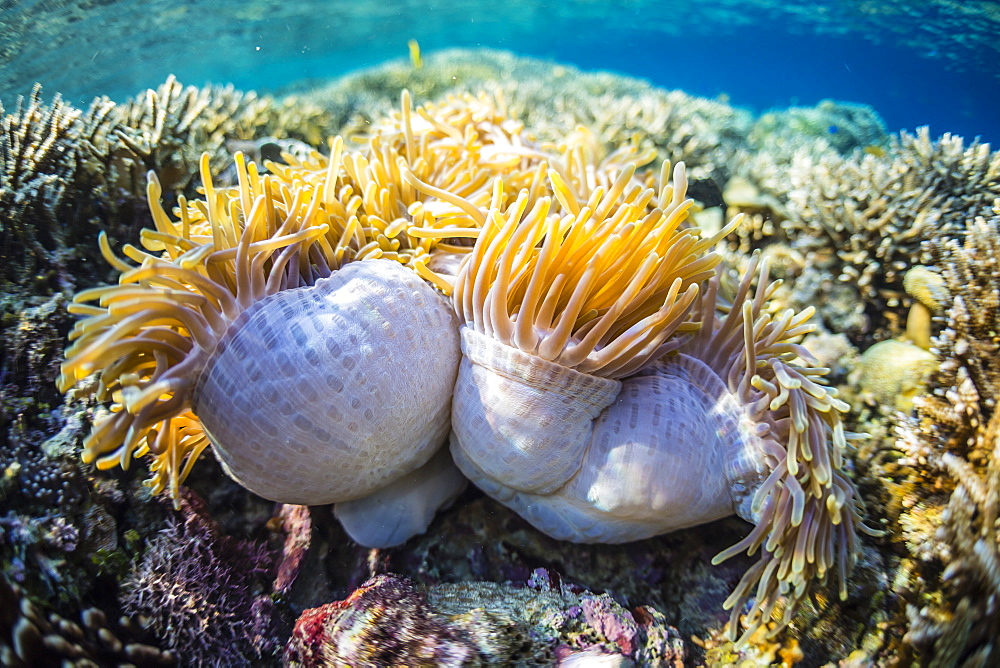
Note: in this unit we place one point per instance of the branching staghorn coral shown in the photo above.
(66, 170)
(863, 218)
(952, 459)
(168, 128)
(759, 184)
(37, 163)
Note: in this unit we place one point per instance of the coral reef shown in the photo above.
(844, 227)
(951, 462)
(172, 340)
(481, 540)
(862, 218)
(202, 593)
(778, 139)
(32, 637)
(848, 227)
(168, 128)
(390, 620)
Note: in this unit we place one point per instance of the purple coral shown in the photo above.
(204, 594)
(612, 622)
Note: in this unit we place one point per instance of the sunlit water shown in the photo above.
(926, 63)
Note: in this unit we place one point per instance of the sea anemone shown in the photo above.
(270, 325)
(806, 511)
(222, 334)
(607, 394)
(604, 387)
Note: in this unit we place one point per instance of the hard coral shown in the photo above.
(31, 636)
(952, 461)
(37, 163)
(390, 620)
(202, 593)
(862, 218)
(843, 126)
(553, 99)
(168, 128)
(66, 169)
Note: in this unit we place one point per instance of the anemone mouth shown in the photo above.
(806, 510)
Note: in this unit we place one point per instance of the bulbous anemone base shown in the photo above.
(330, 392)
(671, 450)
(405, 507)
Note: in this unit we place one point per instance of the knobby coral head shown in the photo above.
(297, 323)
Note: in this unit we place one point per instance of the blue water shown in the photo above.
(757, 53)
(907, 89)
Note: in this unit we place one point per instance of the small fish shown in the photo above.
(833, 129)
(874, 149)
(415, 54)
